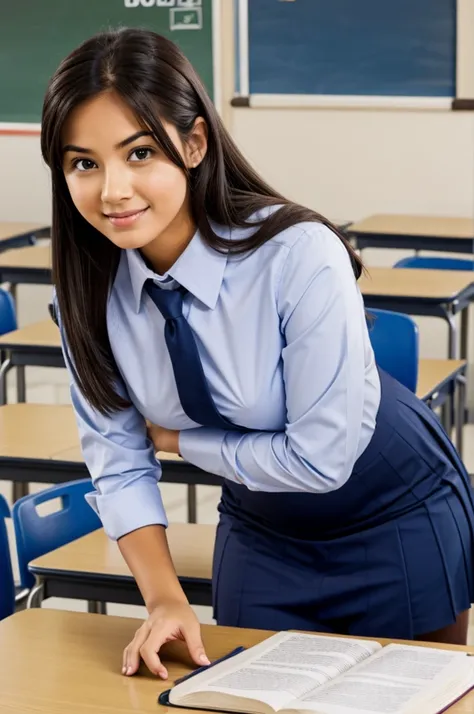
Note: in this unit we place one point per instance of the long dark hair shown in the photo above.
(157, 81)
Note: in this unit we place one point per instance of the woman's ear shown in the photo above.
(196, 144)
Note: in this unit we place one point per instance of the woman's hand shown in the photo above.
(163, 439)
(174, 620)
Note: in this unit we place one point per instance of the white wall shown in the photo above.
(25, 194)
(348, 164)
(351, 163)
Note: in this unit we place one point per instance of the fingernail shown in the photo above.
(124, 669)
(163, 674)
(129, 670)
(203, 659)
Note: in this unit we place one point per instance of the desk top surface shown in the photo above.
(13, 229)
(38, 334)
(429, 226)
(416, 283)
(36, 431)
(58, 662)
(51, 429)
(434, 372)
(191, 545)
(32, 257)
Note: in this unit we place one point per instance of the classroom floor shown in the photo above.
(50, 386)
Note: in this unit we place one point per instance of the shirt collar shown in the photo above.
(199, 269)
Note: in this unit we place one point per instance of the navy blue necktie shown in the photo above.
(193, 389)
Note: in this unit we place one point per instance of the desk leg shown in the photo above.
(20, 384)
(97, 608)
(4, 369)
(452, 354)
(192, 503)
(447, 415)
(464, 332)
(13, 293)
(461, 412)
(464, 352)
(19, 489)
(452, 334)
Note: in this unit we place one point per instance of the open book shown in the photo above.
(295, 673)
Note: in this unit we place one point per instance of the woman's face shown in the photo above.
(119, 179)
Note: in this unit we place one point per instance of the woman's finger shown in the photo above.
(149, 652)
(192, 635)
(132, 662)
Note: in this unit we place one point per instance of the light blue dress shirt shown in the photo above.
(285, 349)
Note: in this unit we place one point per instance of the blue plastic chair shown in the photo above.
(435, 263)
(37, 535)
(7, 313)
(395, 342)
(7, 587)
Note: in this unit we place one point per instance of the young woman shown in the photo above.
(193, 296)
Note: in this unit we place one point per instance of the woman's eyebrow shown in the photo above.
(120, 145)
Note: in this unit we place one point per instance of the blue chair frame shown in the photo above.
(7, 586)
(37, 535)
(395, 341)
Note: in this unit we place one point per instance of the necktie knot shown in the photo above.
(168, 302)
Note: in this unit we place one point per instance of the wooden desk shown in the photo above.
(56, 662)
(36, 345)
(15, 234)
(435, 374)
(439, 382)
(450, 235)
(42, 335)
(26, 265)
(39, 443)
(438, 293)
(92, 568)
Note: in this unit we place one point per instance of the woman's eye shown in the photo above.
(84, 165)
(140, 154)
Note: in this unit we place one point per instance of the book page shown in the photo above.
(284, 667)
(396, 680)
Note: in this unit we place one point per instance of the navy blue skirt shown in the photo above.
(389, 554)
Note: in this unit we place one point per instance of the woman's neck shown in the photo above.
(165, 249)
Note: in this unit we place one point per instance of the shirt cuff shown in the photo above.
(124, 511)
(203, 447)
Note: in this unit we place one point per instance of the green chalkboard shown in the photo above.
(35, 35)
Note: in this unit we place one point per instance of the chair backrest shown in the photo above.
(7, 312)
(7, 586)
(394, 339)
(435, 263)
(37, 534)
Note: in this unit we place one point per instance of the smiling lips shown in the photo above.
(125, 219)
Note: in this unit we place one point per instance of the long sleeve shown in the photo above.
(323, 323)
(121, 461)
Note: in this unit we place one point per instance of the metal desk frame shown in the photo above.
(447, 308)
(102, 588)
(404, 241)
(23, 240)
